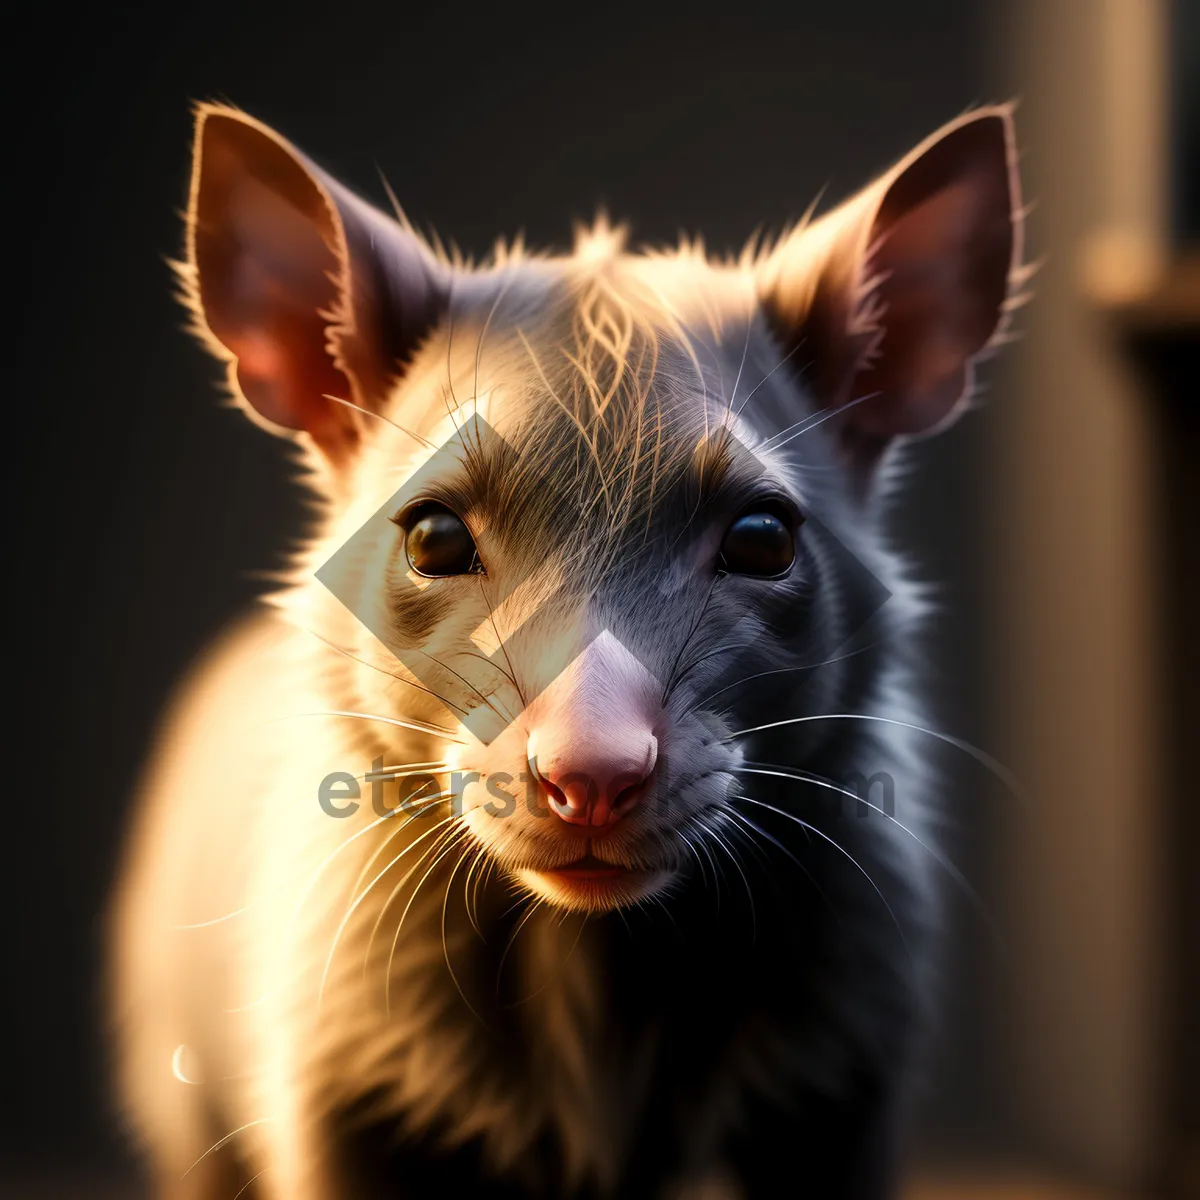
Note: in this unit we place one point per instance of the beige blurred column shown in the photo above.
(1074, 570)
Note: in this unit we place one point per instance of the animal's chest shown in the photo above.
(600, 1107)
(646, 1055)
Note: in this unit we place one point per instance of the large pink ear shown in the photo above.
(306, 290)
(897, 292)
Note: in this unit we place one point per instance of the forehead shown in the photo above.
(608, 389)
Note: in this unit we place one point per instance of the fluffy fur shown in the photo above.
(310, 1006)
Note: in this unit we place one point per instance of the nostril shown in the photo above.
(628, 792)
(558, 801)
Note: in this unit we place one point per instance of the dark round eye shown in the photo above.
(437, 542)
(761, 544)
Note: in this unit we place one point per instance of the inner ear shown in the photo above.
(270, 264)
(894, 294)
(941, 249)
(315, 298)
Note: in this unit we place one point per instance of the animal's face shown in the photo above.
(577, 579)
(586, 513)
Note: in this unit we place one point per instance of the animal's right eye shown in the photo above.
(761, 543)
(438, 543)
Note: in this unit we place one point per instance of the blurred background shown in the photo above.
(1060, 518)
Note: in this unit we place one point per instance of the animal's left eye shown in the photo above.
(438, 543)
(760, 543)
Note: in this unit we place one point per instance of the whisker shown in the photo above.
(512, 937)
(670, 684)
(405, 771)
(812, 421)
(741, 367)
(738, 867)
(754, 390)
(503, 645)
(237, 912)
(437, 842)
(780, 671)
(703, 833)
(313, 879)
(683, 837)
(249, 1182)
(487, 324)
(946, 864)
(981, 756)
(358, 901)
(504, 716)
(703, 658)
(455, 834)
(390, 674)
(471, 898)
(223, 1141)
(322, 866)
(575, 942)
(445, 947)
(430, 803)
(366, 412)
(731, 815)
(845, 853)
(433, 730)
(758, 829)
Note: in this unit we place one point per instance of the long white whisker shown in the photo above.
(782, 671)
(575, 942)
(384, 671)
(470, 898)
(683, 837)
(768, 837)
(445, 947)
(703, 833)
(733, 858)
(455, 834)
(222, 1141)
(812, 421)
(366, 412)
(741, 367)
(845, 853)
(981, 756)
(237, 912)
(512, 939)
(358, 901)
(434, 730)
(249, 1183)
(322, 867)
(396, 775)
(754, 390)
(946, 865)
(428, 805)
(758, 829)
(443, 834)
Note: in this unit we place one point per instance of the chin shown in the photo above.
(601, 888)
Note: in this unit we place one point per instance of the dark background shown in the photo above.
(139, 508)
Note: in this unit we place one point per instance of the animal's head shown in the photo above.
(589, 513)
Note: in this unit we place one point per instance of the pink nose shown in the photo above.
(596, 783)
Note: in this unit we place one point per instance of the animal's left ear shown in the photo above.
(314, 299)
(896, 293)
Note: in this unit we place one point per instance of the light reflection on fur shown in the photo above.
(510, 967)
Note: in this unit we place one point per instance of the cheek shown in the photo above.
(694, 770)
(491, 796)
(496, 796)
(418, 614)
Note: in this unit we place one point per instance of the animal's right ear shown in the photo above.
(305, 290)
(898, 292)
